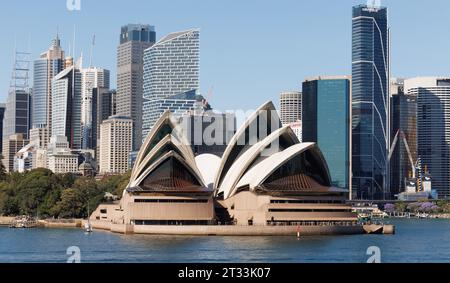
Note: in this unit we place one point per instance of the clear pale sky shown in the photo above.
(250, 49)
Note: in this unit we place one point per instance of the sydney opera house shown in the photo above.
(263, 184)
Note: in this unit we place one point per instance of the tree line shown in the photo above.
(41, 193)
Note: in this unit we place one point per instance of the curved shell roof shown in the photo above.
(208, 164)
(239, 144)
(266, 162)
(242, 164)
(165, 140)
(260, 172)
(159, 161)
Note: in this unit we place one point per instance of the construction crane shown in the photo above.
(400, 134)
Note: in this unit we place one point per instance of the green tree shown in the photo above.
(2, 169)
(400, 207)
(71, 204)
(125, 179)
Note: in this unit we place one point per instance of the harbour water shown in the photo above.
(416, 240)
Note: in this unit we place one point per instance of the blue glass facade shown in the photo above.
(326, 121)
(40, 88)
(44, 71)
(404, 118)
(141, 33)
(370, 102)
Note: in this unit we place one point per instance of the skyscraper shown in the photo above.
(370, 102)
(291, 111)
(2, 116)
(49, 64)
(91, 78)
(66, 92)
(404, 119)
(433, 136)
(103, 106)
(171, 71)
(134, 39)
(326, 121)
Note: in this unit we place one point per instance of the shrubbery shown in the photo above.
(424, 206)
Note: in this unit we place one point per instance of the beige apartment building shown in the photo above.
(116, 143)
(63, 162)
(40, 136)
(10, 148)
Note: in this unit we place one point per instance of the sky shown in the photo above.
(250, 50)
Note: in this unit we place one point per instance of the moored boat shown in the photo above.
(24, 222)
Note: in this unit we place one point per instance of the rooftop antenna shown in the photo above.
(91, 51)
(73, 43)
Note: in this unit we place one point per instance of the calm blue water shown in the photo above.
(415, 241)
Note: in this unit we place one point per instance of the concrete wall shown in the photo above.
(110, 214)
(166, 211)
(248, 230)
(170, 211)
(246, 206)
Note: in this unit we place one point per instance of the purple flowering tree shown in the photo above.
(389, 207)
(426, 207)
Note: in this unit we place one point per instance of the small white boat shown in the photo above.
(88, 227)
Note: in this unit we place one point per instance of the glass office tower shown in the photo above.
(326, 121)
(171, 73)
(370, 102)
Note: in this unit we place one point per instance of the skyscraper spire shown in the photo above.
(56, 42)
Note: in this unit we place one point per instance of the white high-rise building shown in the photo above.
(291, 111)
(171, 70)
(66, 99)
(116, 142)
(91, 78)
(433, 128)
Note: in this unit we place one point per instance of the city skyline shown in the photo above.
(269, 74)
(154, 75)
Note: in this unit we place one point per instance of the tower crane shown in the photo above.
(400, 134)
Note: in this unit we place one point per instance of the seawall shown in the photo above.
(232, 230)
(6, 221)
(60, 223)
